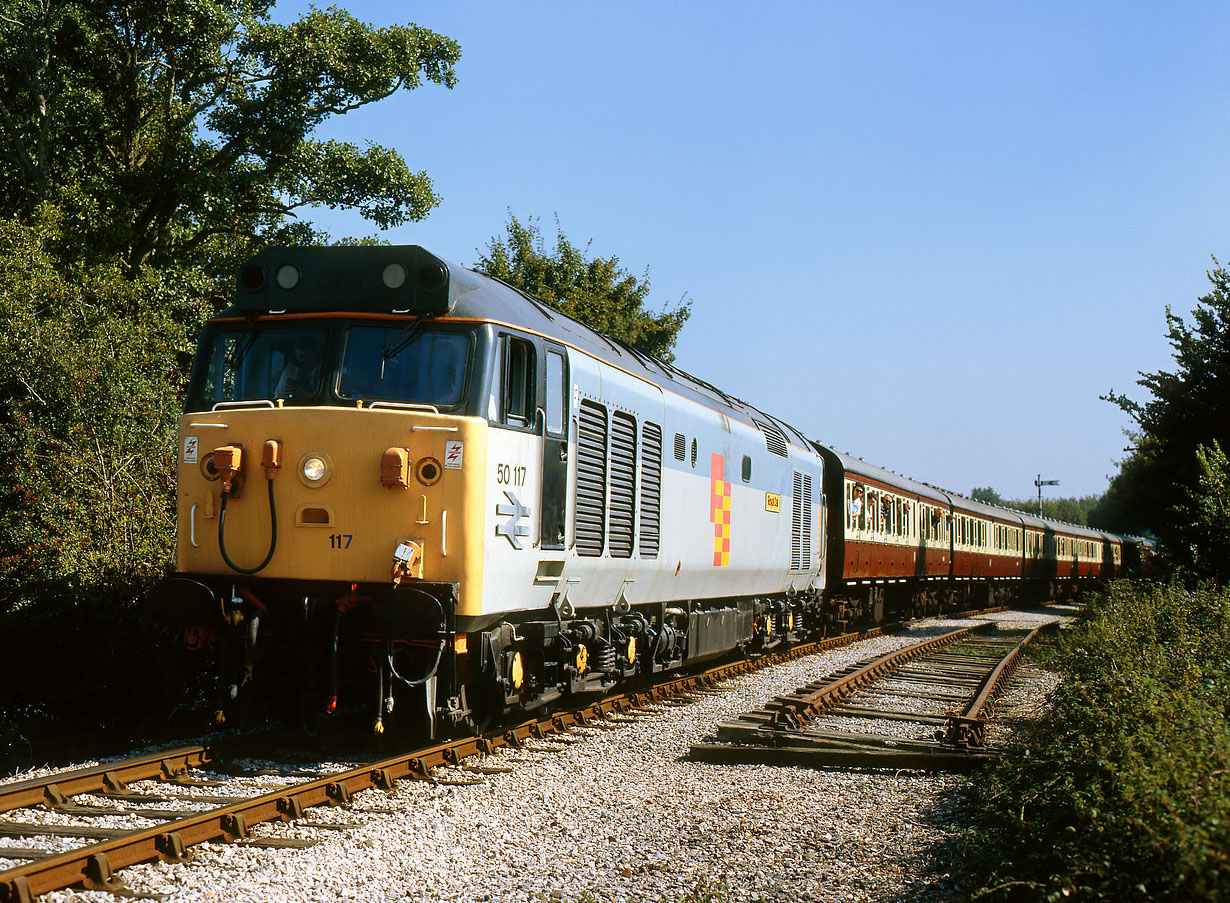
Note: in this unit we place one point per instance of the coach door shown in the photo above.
(555, 450)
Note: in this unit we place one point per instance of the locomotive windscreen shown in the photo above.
(329, 362)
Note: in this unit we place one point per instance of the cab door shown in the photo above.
(554, 427)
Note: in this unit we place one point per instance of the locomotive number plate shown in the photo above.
(772, 502)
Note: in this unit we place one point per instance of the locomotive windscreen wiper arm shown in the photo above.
(402, 340)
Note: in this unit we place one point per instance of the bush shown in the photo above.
(92, 361)
(1122, 792)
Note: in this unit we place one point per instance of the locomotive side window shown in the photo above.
(518, 382)
(557, 392)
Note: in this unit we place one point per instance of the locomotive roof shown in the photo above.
(410, 281)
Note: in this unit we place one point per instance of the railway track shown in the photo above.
(177, 776)
(943, 687)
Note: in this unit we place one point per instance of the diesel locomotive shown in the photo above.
(405, 486)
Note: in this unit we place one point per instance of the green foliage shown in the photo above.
(1157, 488)
(181, 132)
(986, 495)
(1208, 533)
(1123, 792)
(1069, 509)
(91, 364)
(597, 292)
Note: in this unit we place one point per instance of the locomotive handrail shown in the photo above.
(254, 403)
(409, 406)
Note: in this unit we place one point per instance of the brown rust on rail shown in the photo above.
(112, 777)
(95, 865)
(802, 707)
(969, 729)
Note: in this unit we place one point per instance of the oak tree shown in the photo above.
(179, 130)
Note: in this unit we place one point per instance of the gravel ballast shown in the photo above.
(621, 815)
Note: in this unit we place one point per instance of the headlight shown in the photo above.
(314, 469)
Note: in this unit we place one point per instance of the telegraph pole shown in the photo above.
(1039, 482)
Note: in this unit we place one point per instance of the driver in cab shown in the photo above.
(301, 375)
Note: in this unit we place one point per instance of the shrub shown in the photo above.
(91, 365)
(1122, 792)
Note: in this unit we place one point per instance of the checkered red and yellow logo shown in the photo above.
(719, 511)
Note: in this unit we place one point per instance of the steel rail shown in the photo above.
(969, 729)
(95, 866)
(798, 708)
(111, 777)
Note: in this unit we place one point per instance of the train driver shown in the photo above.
(300, 376)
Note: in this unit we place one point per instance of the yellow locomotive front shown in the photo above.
(327, 537)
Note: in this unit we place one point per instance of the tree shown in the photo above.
(182, 131)
(1209, 531)
(90, 394)
(1068, 509)
(1159, 483)
(597, 292)
(986, 495)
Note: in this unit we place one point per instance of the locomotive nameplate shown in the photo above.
(773, 502)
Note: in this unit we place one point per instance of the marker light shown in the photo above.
(288, 277)
(394, 275)
(314, 469)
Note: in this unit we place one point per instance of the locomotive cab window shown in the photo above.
(387, 363)
(518, 399)
(253, 362)
(333, 362)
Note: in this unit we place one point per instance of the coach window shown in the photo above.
(518, 382)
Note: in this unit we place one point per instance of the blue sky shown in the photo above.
(930, 235)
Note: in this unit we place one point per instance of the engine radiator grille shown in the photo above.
(590, 511)
(651, 489)
(800, 532)
(623, 484)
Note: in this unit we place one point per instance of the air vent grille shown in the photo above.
(623, 484)
(651, 489)
(774, 438)
(800, 527)
(590, 512)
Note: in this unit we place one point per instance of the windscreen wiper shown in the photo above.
(408, 334)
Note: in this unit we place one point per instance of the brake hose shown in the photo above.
(273, 535)
(419, 681)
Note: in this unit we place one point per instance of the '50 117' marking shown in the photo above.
(508, 475)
